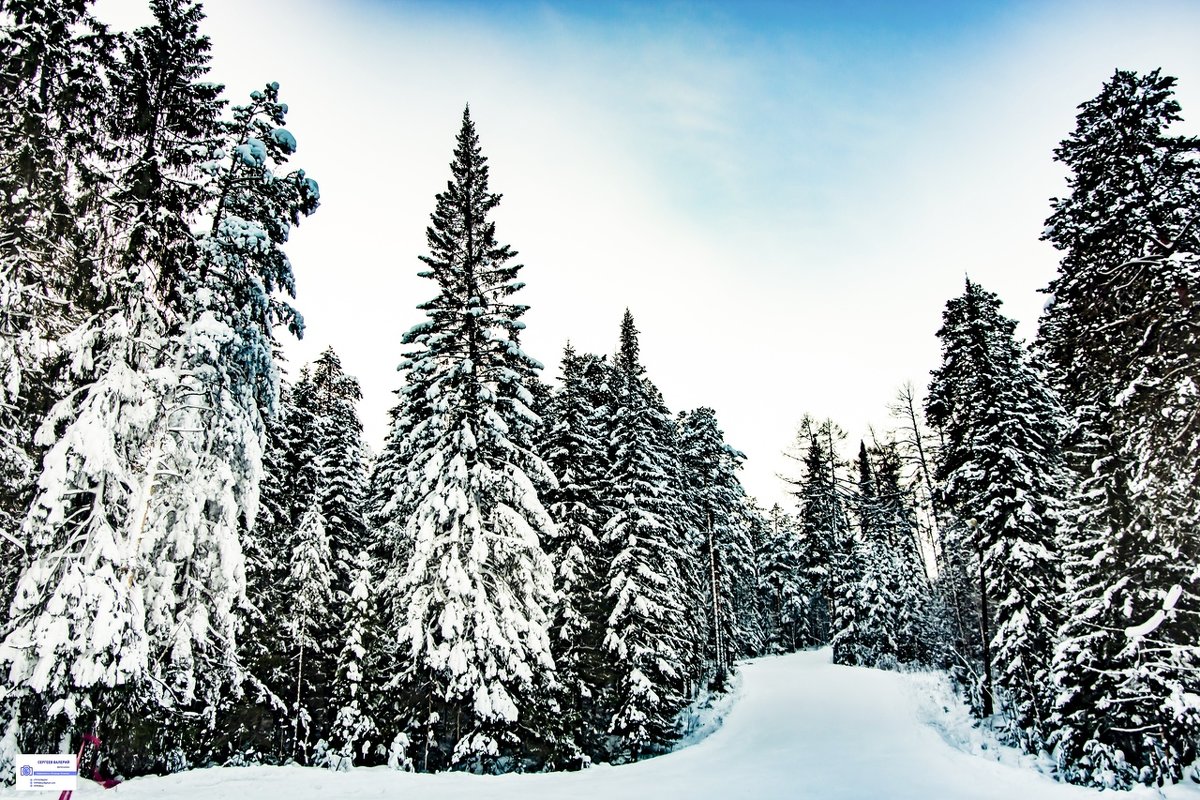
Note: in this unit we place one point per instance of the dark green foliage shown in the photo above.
(1120, 338)
(716, 498)
(646, 639)
(575, 450)
(468, 587)
(790, 575)
(1000, 474)
(824, 528)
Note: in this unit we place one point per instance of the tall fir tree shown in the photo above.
(340, 491)
(789, 583)
(311, 516)
(310, 591)
(894, 517)
(470, 606)
(575, 450)
(824, 526)
(865, 624)
(128, 613)
(646, 637)
(353, 727)
(716, 497)
(342, 456)
(257, 727)
(1120, 337)
(1000, 468)
(53, 60)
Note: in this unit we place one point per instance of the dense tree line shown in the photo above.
(1038, 540)
(563, 571)
(203, 563)
(143, 285)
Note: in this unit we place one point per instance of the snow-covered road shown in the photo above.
(803, 728)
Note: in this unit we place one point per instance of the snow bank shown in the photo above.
(801, 728)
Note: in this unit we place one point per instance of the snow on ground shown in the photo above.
(801, 728)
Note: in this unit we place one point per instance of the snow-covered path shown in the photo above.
(803, 728)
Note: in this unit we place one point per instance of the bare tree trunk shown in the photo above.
(906, 408)
(296, 710)
(985, 633)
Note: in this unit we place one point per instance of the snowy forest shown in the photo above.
(205, 564)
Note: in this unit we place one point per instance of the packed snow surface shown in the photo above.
(801, 728)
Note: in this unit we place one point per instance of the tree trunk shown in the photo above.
(985, 633)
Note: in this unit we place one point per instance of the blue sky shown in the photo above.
(785, 194)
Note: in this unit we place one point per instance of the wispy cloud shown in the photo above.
(785, 194)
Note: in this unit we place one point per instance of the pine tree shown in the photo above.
(229, 384)
(1120, 339)
(470, 606)
(717, 498)
(895, 516)
(135, 593)
(574, 450)
(790, 594)
(1000, 467)
(646, 637)
(824, 528)
(866, 633)
(90, 498)
(53, 58)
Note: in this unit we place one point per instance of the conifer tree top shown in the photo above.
(628, 351)
(472, 269)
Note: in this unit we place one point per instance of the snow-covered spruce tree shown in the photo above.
(314, 468)
(258, 724)
(301, 449)
(270, 648)
(327, 477)
(126, 619)
(894, 515)
(1120, 338)
(885, 589)
(388, 510)
(353, 725)
(788, 593)
(470, 605)
(341, 486)
(646, 639)
(999, 465)
(865, 623)
(310, 590)
(695, 594)
(53, 56)
(751, 613)
(575, 450)
(824, 528)
(342, 457)
(299, 606)
(78, 649)
(716, 496)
